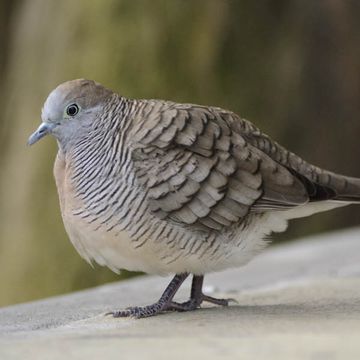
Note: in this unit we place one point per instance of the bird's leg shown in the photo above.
(164, 304)
(197, 297)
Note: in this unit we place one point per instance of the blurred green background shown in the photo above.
(292, 67)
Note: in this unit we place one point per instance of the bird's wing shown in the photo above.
(197, 168)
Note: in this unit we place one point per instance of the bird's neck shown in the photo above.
(101, 151)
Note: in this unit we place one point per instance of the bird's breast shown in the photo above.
(108, 220)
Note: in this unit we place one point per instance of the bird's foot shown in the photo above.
(157, 308)
(139, 312)
(195, 303)
(166, 303)
(220, 302)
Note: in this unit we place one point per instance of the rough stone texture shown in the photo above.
(295, 301)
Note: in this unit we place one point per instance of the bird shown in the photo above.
(175, 189)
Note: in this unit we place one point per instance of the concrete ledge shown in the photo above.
(295, 301)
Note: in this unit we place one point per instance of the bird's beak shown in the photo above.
(42, 130)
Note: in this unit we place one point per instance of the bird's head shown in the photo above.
(70, 108)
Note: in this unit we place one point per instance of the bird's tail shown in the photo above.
(326, 191)
(347, 189)
(327, 185)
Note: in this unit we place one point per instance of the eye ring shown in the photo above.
(72, 109)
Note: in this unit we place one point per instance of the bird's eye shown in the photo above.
(72, 110)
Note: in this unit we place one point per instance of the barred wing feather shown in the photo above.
(198, 169)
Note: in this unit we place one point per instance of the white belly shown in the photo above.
(117, 250)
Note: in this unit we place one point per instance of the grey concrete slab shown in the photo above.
(295, 301)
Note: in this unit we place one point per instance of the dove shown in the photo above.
(169, 188)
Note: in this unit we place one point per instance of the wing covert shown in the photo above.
(197, 169)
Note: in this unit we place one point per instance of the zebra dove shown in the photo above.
(168, 188)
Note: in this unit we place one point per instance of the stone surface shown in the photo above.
(295, 301)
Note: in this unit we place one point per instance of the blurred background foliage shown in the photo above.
(292, 67)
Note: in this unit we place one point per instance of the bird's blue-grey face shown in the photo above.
(70, 107)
